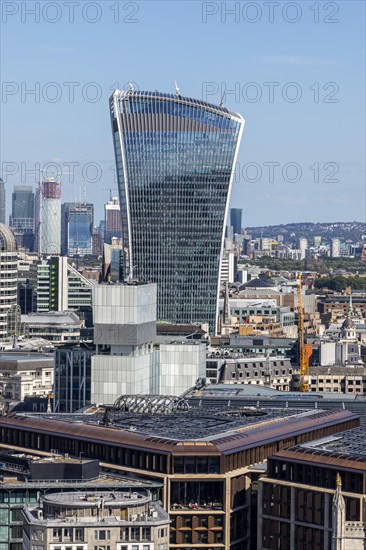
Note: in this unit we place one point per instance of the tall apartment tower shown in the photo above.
(8, 276)
(112, 219)
(2, 201)
(77, 221)
(336, 248)
(235, 219)
(303, 248)
(48, 217)
(175, 159)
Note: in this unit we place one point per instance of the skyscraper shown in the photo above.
(175, 159)
(112, 220)
(48, 217)
(235, 219)
(77, 221)
(2, 201)
(22, 215)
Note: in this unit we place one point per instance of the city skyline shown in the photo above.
(284, 72)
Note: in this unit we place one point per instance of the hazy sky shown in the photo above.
(294, 70)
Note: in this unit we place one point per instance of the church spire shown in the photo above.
(339, 517)
(350, 307)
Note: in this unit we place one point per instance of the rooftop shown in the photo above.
(82, 499)
(202, 428)
(22, 357)
(51, 318)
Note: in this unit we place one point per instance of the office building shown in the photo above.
(26, 297)
(314, 494)
(274, 372)
(112, 263)
(112, 220)
(124, 330)
(175, 159)
(203, 455)
(72, 376)
(181, 365)
(8, 276)
(2, 201)
(26, 478)
(235, 219)
(97, 242)
(48, 217)
(59, 286)
(56, 327)
(22, 216)
(77, 221)
(23, 374)
(22, 211)
(103, 520)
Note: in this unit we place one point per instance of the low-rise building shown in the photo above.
(314, 496)
(25, 478)
(203, 455)
(102, 520)
(275, 372)
(338, 379)
(55, 326)
(25, 374)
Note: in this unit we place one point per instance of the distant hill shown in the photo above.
(345, 231)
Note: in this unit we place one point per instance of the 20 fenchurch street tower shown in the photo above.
(175, 159)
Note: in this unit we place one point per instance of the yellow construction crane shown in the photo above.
(303, 360)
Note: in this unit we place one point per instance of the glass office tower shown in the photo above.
(175, 158)
(235, 220)
(77, 221)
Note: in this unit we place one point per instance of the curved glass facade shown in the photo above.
(175, 158)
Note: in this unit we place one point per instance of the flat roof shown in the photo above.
(198, 430)
(80, 499)
(228, 391)
(10, 359)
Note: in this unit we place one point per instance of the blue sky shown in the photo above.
(299, 85)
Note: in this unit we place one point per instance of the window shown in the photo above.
(57, 534)
(123, 534)
(102, 534)
(79, 534)
(135, 533)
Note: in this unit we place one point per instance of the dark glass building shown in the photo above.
(77, 221)
(175, 158)
(22, 216)
(235, 219)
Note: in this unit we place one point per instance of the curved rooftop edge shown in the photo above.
(218, 109)
(7, 239)
(85, 500)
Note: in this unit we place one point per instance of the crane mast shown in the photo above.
(303, 360)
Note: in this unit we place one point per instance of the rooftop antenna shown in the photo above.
(177, 90)
(222, 100)
(132, 87)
